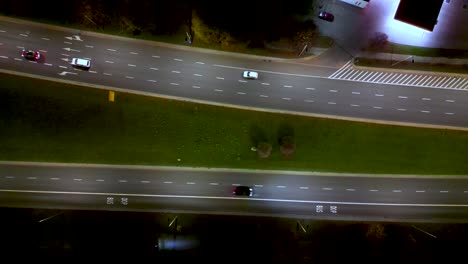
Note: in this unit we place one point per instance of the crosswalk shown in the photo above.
(348, 72)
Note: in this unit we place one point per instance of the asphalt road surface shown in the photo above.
(312, 86)
(209, 191)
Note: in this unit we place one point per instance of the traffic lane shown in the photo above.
(287, 98)
(293, 180)
(132, 48)
(223, 186)
(234, 206)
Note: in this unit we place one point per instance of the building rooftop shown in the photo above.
(419, 13)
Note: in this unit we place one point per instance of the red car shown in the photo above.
(31, 55)
(326, 16)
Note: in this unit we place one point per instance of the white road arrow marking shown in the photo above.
(68, 49)
(65, 73)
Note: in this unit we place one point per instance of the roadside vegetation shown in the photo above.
(237, 26)
(56, 122)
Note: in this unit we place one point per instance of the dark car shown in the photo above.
(243, 191)
(326, 16)
(31, 54)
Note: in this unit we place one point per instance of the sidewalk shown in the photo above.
(411, 63)
(378, 60)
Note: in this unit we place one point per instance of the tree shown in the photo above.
(264, 149)
(287, 145)
(378, 41)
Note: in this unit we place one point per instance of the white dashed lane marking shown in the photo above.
(111, 50)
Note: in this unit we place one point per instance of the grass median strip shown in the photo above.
(48, 121)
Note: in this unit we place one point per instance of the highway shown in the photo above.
(315, 86)
(209, 191)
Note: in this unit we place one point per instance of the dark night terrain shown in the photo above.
(89, 236)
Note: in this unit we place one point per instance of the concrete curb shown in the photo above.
(148, 42)
(232, 170)
(267, 110)
(385, 69)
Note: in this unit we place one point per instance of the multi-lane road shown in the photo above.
(279, 194)
(313, 86)
(307, 86)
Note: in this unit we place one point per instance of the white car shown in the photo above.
(81, 63)
(250, 75)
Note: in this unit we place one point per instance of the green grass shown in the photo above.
(48, 121)
(408, 65)
(422, 51)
